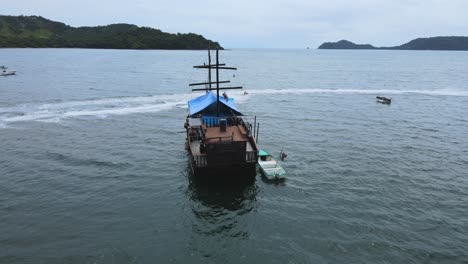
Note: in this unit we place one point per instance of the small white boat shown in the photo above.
(270, 167)
(5, 72)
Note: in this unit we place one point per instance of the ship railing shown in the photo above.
(252, 125)
(213, 121)
(200, 161)
(251, 156)
(210, 121)
(194, 121)
(196, 134)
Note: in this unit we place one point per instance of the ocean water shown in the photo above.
(93, 167)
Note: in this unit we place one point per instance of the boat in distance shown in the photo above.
(5, 72)
(270, 167)
(220, 143)
(384, 100)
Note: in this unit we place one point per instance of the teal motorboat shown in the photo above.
(270, 167)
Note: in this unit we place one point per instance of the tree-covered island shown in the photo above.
(39, 32)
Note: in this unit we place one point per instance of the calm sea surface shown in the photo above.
(93, 167)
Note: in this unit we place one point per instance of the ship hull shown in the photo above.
(229, 172)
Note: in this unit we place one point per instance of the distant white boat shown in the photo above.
(5, 72)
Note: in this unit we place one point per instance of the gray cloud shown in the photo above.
(262, 23)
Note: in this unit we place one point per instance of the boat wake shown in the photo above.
(104, 107)
(101, 108)
(442, 92)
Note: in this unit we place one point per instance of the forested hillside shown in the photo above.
(38, 32)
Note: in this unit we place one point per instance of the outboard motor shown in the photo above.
(282, 155)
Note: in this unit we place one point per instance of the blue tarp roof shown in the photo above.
(202, 102)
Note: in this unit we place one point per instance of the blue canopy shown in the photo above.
(203, 102)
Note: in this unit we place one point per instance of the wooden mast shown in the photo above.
(217, 82)
(218, 66)
(209, 69)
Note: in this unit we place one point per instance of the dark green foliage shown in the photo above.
(38, 32)
(344, 44)
(435, 43)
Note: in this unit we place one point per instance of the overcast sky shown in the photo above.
(266, 23)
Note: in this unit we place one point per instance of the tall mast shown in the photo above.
(209, 69)
(217, 82)
(218, 66)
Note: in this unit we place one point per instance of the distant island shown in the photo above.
(39, 32)
(435, 43)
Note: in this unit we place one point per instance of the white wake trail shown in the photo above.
(103, 107)
(54, 112)
(443, 92)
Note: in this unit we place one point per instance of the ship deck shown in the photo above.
(213, 134)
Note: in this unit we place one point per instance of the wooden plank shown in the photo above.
(217, 82)
(209, 65)
(204, 83)
(228, 88)
(221, 88)
(214, 67)
(212, 134)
